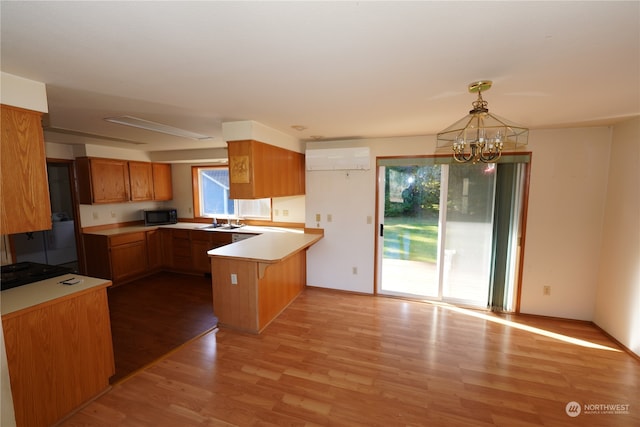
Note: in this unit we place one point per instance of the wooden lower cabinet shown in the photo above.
(127, 256)
(180, 250)
(201, 243)
(59, 356)
(119, 257)
(155, 249)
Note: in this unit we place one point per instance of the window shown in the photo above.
(211, 196)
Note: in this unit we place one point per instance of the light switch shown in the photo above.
(234, 279)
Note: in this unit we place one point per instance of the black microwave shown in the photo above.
(160, 216)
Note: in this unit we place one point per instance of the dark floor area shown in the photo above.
(154, 315)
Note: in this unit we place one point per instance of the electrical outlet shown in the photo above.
(354, 270)
(95, 215)
(329, 217)
(369, 219)
(276, 212)
(234, 279)
(318, 217)
(285, 212)
(113, 214)
(546, 290)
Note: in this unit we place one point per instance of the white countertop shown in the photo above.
(267, 247)
(15, 299)
(247, 229)
(270, 245)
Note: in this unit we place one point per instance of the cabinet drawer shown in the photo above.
(201, 236)
(122, 239)
(180, 234)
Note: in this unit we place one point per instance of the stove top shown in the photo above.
(23, 273)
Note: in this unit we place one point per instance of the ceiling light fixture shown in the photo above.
(156, 127)
(481, 136)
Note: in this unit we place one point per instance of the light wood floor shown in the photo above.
(350, 360)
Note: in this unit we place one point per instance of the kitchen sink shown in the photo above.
(220, 226)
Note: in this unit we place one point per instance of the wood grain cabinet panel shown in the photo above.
(102, 180)
(155, 259)
(201, 243)
(256, 299)
(118, 181)
(119, 258)
(129, 260)
(141, 181)
(59, 355)
(24, 197)
(258, 170)
(162, 184)
(181, 259)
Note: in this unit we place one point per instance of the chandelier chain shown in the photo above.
(480, 104)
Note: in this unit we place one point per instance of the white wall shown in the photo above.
(23, 93)
(567, 193)
(617, 306)
(564, 223)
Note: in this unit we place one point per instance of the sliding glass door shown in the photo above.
(437, 233)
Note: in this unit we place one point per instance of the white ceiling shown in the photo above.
(342, 69)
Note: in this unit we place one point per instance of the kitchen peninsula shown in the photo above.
(256, 271)
(254, 280)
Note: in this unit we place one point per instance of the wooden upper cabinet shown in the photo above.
(162, 186)
(117, 181)
(24, 199)
(258, 170)
(102, 180)
(141, 181)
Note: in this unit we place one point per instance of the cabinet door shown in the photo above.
(128, 256)
(97, 256)
(258, 170)
(162, 186)
(200, 244)
(102, 180)
(24, 198)
(154, 249)
(181, 250)
(141, 181)
(60, 356)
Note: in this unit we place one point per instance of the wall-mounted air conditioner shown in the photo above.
(322, 159)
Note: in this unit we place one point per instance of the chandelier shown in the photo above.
(481, 136)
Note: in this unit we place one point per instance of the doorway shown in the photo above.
(57, 246)
(438, 234)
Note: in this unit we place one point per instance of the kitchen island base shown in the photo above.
(248, 294)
